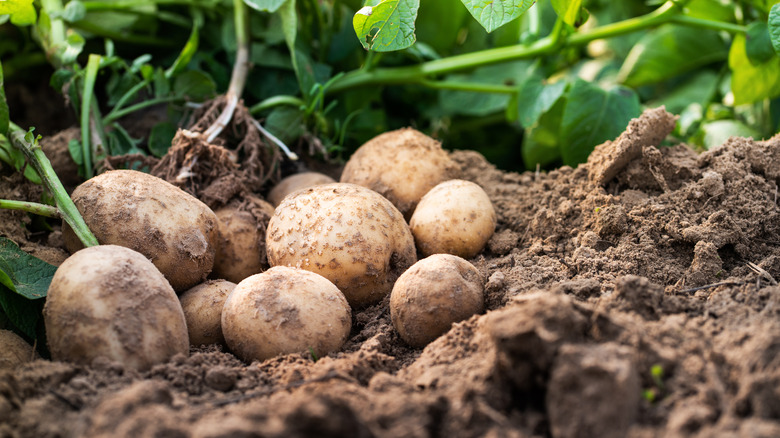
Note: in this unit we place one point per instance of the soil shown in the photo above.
(632, 296)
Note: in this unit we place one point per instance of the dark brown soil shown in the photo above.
(633, 296)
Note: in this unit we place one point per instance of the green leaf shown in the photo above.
(22, 11)
(751, 83)
(286, 123)
(472, 103)
(492, 14)
(74, 11)
(120, 142)
(668, 51)
(540, 145)
(592, 116)
(388, 26)
(194, 85)
(22, 273)
(186, 54)
(536, 97)
(568, 10)
(774, 27)
(24, 314)
(698, 89)
(4, 115)
(76, 152)
(717, 132)
(758, 44)
(265, 5)
(161, 137)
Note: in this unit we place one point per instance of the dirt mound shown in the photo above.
(632, 296)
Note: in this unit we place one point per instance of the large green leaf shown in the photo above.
(774, 27)
(22, 11)
(387, 26)
(700, 89)
(4, 117)
(751, 83)
(194, 85)
(758, 44)
(471, 103)
(492, 14)
(568, 10)
(536, 97)
(669, 51)
(592, 116)
(540, 145)
(265, 5)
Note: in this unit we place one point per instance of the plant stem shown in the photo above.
(121, 36)
(35, 156)
(30, 207)
(56, 37)
(709, 24)
(116, 115)
(93, 64)
(275, 101)
(240, 71)
(469, 86)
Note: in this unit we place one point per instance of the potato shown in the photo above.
(202, 307)
(241, 243)
(177, 232)
(14, 350)
(297, 182)
(285, 310)
(348, 234)
(110, 301)
(401, 165)
(433, 294)
(455, 217)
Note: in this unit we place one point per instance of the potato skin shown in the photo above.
(348, 234)
(401, 165)
(202, 306)
(455, 217)
(285, 310)
(433, 294)
(112, 301)
(241, 239)
(176, 231)
(14, 351)
(297, 182)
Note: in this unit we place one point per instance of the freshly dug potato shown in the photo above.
(177, 232)
(433, 294)
(111, 301)
(241, 243)
(297, 182)
(202, 307)
(285, 310)
(401, 165)
(14, 350)
(455, 217)
(348, 234)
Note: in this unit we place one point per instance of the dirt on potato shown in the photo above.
(633, 296)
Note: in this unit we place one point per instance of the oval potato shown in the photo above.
(296, 182)
(241, 239)
(202, 306)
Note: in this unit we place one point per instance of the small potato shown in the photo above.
(14, 350)
(285, 310)
(297, 182)
(348, 234)
(433, 294)
(202, 307)
(241, 243)
(110, 301)
(455, 217)
(401, 165)
(176, 231)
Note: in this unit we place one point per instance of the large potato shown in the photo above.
(297, 182)
(348, 234)
(202, 307)
(241, 243)
(285, 310)
(177, 232)
(111, 301)
(455, 217)
(433, 294)
(401, 165)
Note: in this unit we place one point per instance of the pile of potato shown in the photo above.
(283, 281)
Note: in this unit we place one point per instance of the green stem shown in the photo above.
(469, 86)
(116, 115)
(663, 14)
(121, 36)
(709, 24)
(30, 207)
(275, 101)
(122, 100)
(41, 164)
(93, 63)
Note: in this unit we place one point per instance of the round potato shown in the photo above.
(401, 165)
(176, 231)
(455, 217)
(348, 234)
(433, 294)
(14, 350)
(241, 243)
(202, 307)
(297, 182)
(285, 310)
(110, 301)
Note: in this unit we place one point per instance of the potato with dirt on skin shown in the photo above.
(110, 301)
(401, 165)
(202, 307)
(347, 233)
(455, 217)
(433, 294)
(296, 182)
(172, 228)
(285, 310)
(241, 239)
(14, 351)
